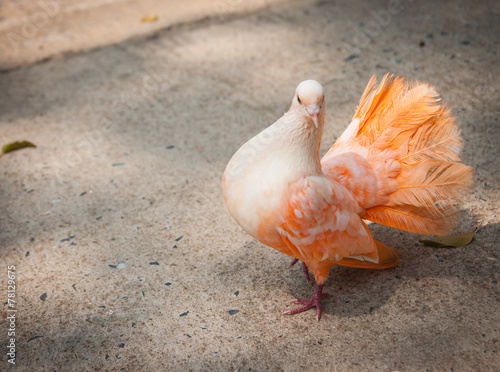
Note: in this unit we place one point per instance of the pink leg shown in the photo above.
(310, 302)
(305, 270)
(295, 260)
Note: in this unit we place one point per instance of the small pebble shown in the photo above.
(119, 265)
(179, 238)
(67, 239)
(118, 164)
(170, 147)
(155, 263)
(351, 57)
(465, 42)
(184, 314)
(83, 193)
(43, 297)
(27, 254)
(233, 312)
(236, 293)
(122, 345)
(168, 284)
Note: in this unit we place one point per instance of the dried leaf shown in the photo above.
(149, 18)
(16, 146)
(459, 240)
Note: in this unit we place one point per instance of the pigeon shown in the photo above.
(396, 164)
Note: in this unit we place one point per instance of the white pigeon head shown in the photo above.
(310, 97)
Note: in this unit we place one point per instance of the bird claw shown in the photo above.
(309, 302)
(312, 302)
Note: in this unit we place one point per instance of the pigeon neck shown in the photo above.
(301, 140)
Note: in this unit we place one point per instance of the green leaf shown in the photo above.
(16, 146)
(459, 240)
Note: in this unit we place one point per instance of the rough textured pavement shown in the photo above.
(125, 256)
(33, 31)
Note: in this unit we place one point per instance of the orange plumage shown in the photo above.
(396, 164)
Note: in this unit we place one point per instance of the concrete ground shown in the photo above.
(125, 256)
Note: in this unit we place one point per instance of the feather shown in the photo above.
(432, 182)
(373, 106)
(413, 109)
(414, 219)
(404, 123)
(438, 139)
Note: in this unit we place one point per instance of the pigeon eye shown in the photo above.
(298, 99)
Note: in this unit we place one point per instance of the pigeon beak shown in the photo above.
(314, 111)
(315, 120)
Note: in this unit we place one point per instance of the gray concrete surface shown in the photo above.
(33, 31)
(125, 256)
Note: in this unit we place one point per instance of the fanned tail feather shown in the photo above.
(408, 121)
(431, 182)
(421, 220)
